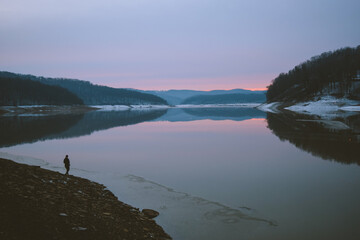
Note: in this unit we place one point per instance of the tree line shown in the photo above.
(335, 72)
(17, 91)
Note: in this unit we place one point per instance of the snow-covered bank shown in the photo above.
(129, 107)
(43, 110)
(154, 107)
(240, 105)
(269, 107)
(326, 106)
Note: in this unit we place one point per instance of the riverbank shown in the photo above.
(36, 203)
(39, 110)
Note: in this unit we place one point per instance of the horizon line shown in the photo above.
(184, 89)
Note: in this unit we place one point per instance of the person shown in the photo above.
(67, 164)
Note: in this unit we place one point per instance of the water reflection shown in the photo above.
(337, 139)
(27, 129)
(102, 120)
(216, 179)
(216, 113)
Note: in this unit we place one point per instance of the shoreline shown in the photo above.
(46, 110)
(37, 203)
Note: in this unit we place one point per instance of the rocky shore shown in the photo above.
(36, 203)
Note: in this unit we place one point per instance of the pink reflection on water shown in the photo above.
(250, 125)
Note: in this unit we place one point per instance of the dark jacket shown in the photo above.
(67, 161)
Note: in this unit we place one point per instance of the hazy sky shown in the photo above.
(172, 44)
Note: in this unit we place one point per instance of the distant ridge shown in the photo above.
(176, 97)
(226, 98)
(91, 94)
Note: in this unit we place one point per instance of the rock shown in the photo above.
(79, 228)
(150, 213)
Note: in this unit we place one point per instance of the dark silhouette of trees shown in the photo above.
(17, 91)
(331, 72)
(92, 94)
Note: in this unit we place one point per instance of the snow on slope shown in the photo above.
(326, 106)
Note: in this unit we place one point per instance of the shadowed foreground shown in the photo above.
(40, 204)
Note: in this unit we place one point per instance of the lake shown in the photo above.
(212, 173)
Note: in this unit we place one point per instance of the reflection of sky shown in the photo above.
(163, 44)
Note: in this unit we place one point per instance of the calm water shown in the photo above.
(219, 173)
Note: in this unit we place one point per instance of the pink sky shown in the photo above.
(256, 82)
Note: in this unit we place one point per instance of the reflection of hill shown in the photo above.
(19, 130)
(191, 114)
(317, 138)
(99, 120)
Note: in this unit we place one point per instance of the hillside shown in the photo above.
(92, 94)
(176, 97)
(16, 91)
(334, 73)
(226, 99)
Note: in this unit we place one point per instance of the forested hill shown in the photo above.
(336, 73)
(92, 94)
(226, 98)
(17, 91)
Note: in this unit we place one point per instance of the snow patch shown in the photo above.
(156, 107)
(326, 106)
(240, 105)
(269, 107)
(107, 108)
(351, 108)
(149, 107)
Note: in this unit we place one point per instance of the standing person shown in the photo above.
(67, 164)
